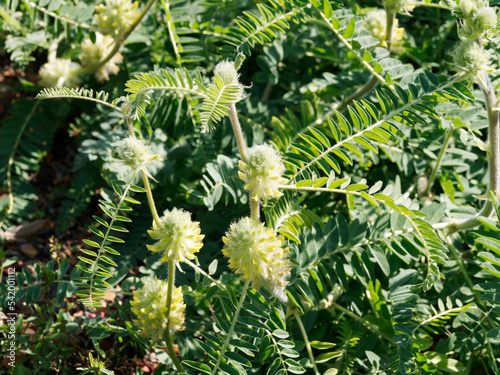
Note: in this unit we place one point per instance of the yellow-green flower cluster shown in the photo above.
(150, 306)
(178, 236)
(60, 73)
(92, 53)
(262, 173)
(114, 17)
(376, 23)
(256, 253)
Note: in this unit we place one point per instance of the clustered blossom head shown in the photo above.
(262, 172)
(398, 6)
(376, 23)
(134, 152)
(178, 236)
(469, 57)
(114, 17)
(60, 73)
(256, 253)
(92, 53)
(150, 307)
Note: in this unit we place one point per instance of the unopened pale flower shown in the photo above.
(227, 72)
(150, 306)
(257, 253)
(486, 18)
(469, 57)
(262, 172)
(92, 53)
(60, 73)
(178, 236)
(399, 6)
(134, 152)
(114, 17)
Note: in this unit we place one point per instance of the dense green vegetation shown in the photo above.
(276, 187)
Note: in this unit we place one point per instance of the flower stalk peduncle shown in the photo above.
(240, 140)
(168, 337)
(233, 325)
(306, 340)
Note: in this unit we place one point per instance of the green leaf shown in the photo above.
(198, 366)
(212, 268)
(349, 31)
(335, 23)
(381, 259)
(325, 357)
(322, 345)
(92, 243)
(137, 189)
(238, 358)
(279, 333)
(97, 232)
(327, 9)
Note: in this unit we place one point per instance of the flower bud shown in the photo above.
(469, 57)
(466, 8)
(227, 72)
(60, 73)
(114, 17)
(178, 236)
(398, 6)
(262, 172)
(150, 307)
(486, 18)
(134, 152)
(92, 53)
(256, 253)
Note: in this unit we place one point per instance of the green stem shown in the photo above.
(168, 337)
(493, 152)
(171, 277)
(362, 91)
(130, 127)
(238, 133)
(306, 340)
(200, 270)
(254, 209)
(170, 27)
(151, 201)
(242, 147)
(439, 161)
(233, 324)
(389, 31)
